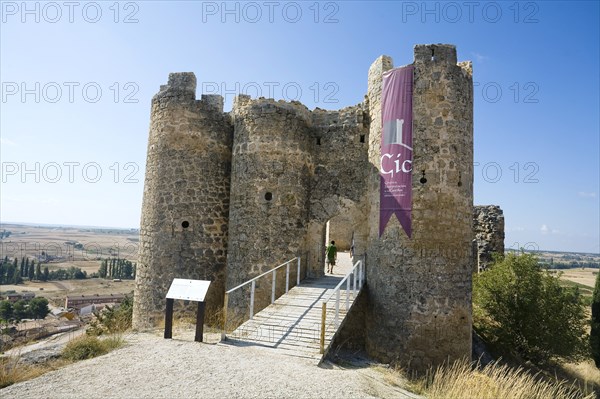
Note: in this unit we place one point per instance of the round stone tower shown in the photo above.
(186, 198)
(270, 180)
(420, 287)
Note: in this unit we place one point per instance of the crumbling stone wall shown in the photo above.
(488, 226)
(184, 221)
(420, 288)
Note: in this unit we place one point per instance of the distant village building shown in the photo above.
(17, 296)
(81, 301)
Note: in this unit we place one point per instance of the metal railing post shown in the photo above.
(347, 294)
(360, 274)
(287, 277)
(337, 308)
(323, 321)
(273, 287)
(252, 288)
(298, 274)
(364, 271)
(225, 306)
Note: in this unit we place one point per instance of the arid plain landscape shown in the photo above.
(64, 247)
(85, 247)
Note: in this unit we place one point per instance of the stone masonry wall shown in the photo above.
(488, 226)
(272, 165)
(340, 230)
(338, 183)
(186, 198)
(420, 288)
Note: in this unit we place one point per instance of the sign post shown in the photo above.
(187, 290)
(200, 322)
(169, 319)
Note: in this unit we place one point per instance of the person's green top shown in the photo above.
(331, 252)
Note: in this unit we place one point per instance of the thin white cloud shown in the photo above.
(547, 230)
(7, 142)
(584, 194)
(480, 57)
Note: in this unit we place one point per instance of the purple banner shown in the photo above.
(396, 148)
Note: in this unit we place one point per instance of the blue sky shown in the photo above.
(77, 80)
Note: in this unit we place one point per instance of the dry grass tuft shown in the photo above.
(12, 370)
(112, 342)
(585, 372)
(87, 347)
(460, 380)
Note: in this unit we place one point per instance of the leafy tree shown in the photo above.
(31, 271)
(20, 310)
(38, 308)
(22, 268)
(67, 274)
(116, 268)
(38, 272)
(595, 333)
(103, 269)
(10, 271)
(78, 274)
(46, 275)
(520, 306)
(16, 277)
(6, 311)
(127, 270)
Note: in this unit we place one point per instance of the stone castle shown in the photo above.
(229, 195)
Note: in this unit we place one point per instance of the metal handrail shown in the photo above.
(358, 281)
(253, 288)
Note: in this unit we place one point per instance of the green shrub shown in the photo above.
(524, 309)
(113, 342)
(82, 348)
(112, 319)
(595, 332)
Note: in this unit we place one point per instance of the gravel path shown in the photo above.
(149, 366)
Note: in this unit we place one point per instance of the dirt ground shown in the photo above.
(585, 276)
(56, 291)
(149, 366)
(70, 246)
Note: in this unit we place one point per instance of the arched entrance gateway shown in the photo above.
(347, 225)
